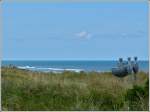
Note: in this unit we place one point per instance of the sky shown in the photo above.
(74, 31)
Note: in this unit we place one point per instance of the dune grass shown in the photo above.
(27, 90)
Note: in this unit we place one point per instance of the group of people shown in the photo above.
(129, 66)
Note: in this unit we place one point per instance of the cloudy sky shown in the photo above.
(68, 31)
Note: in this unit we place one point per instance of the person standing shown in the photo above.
(129, 66)
(135, 67)
(122, 67)
(120, 63)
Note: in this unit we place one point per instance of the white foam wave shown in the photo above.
(48, 69)
(76, 70)
(26, 67)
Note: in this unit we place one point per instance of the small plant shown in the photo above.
(137, 97)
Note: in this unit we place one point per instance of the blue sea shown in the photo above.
(59, 66)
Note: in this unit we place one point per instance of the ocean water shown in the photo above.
(59, 66)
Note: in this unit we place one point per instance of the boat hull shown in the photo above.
(120, 72)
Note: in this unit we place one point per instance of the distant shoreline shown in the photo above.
(51, 70)
(74, 65)
(57, 70)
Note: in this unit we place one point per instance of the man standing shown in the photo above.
(135, 67)
(129, 66)
(120, 63)
(122, 69)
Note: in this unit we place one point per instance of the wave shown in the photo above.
(49, 69)
(76, 70)
(26, 67)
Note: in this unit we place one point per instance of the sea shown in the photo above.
(74, 65)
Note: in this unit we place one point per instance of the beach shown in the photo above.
(28, 90)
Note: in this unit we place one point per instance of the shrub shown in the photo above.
(137, 97)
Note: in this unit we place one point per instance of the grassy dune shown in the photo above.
(27, 90)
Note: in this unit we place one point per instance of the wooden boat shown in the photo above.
(120, 72)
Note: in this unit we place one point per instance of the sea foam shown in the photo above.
(49, 69)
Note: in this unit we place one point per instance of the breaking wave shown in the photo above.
(48, 69)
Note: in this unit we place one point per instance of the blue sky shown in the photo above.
(75, 31)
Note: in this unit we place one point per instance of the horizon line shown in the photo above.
(68, 59)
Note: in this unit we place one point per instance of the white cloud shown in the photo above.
(83, 34)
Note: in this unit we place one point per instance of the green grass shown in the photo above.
(26, 90)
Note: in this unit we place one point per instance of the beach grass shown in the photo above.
(31, 91)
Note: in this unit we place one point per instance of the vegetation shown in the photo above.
(27, 90)
(137, 97)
